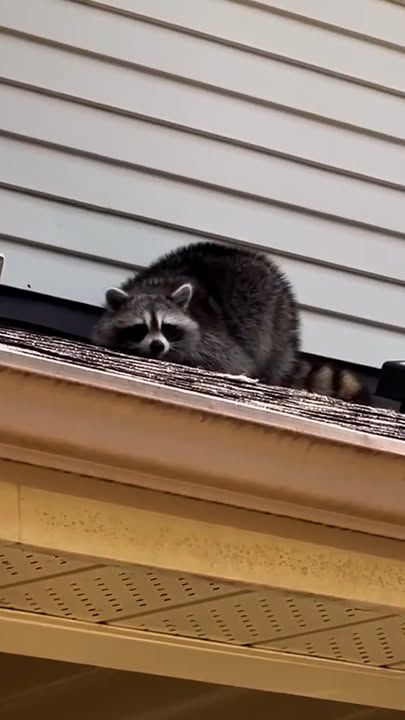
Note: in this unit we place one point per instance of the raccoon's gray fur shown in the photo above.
(210, 306)
(329, 379)
(220, 308)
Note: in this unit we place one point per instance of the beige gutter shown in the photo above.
(107, 426)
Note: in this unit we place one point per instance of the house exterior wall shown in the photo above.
(128, 127)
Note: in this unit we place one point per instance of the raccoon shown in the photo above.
(210, 306)
(324, 378)
(219, 308)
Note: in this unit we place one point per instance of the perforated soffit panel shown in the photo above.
(170, 603)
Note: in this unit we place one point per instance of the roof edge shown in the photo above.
(139, 433)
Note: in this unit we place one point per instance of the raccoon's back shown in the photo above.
(219, 270)
(190, 261)
(194, 259)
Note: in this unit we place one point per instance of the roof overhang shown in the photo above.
(258, 500)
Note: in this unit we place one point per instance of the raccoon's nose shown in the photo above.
(156, 347)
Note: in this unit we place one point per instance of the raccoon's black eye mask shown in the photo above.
(172, 333)
(134, 333)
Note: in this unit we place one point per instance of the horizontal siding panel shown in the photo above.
(382, 21)
(126, 191)
(39, 270)
(120, 240)
(276, 35)
(132, 91)
(71, 230)
(326, 288)
(119, 189)
(345, 340)
(199, 159)
(237, 71)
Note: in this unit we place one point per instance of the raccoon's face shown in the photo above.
(149, 325)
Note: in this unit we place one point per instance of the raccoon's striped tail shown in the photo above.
(325, 378)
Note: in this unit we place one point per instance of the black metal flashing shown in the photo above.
(46, 313)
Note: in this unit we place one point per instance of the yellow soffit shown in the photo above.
(116, 576)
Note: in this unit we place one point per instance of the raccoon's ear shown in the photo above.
(183, 295)
(115, 298)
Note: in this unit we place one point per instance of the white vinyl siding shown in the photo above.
(128, 127)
